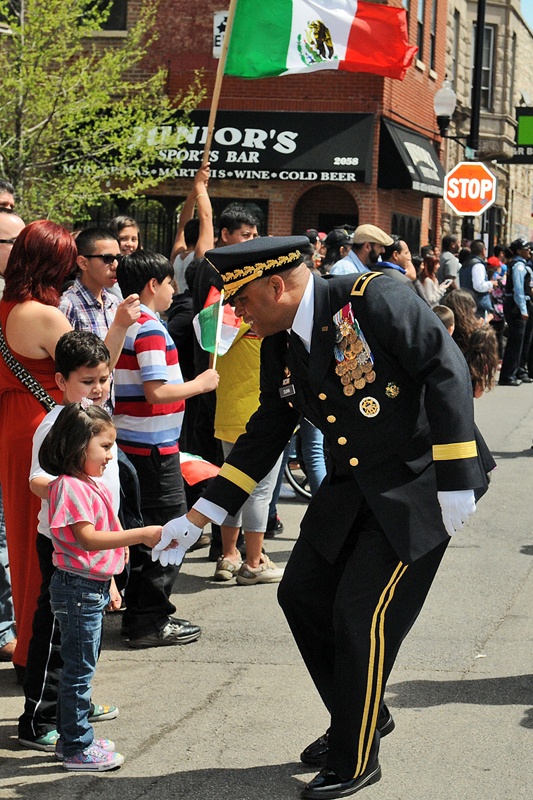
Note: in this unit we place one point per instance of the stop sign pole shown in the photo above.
(470, 188)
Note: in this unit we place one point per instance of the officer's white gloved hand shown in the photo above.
(178, 535)
(456, 507)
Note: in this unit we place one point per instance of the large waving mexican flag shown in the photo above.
(280, 37)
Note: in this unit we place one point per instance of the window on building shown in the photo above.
(118, 14)
(421, 9)
(512, 77)
(407, 5)
(433, 35)
(116, 21)
(456, 46)
(487, 65)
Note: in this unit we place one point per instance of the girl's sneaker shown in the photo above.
(103, 744)
(93, 759)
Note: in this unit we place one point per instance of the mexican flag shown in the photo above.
(195, 469)
(206, 321)
(282, 37)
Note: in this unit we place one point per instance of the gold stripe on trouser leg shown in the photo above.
(375, 677)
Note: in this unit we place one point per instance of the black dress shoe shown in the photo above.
(327, 785)
(316, 753)
(171, 634)
(509, 382)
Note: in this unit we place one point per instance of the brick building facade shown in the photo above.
(394, 192)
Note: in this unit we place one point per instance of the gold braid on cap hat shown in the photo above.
(233, 281)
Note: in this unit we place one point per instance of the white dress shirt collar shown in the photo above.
(302, 324)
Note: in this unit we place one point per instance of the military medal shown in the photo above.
(355, 362)
(392, 390)
(287, 388)
(369, 407)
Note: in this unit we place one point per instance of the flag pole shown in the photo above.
(219, 327)
(218, 81)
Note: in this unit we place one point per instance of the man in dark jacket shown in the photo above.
(473, 276)
(376, 371)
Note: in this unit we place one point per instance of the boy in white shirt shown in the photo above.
(82, 362)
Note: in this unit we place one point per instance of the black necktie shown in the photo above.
(298, 348)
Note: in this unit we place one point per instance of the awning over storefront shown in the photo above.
(408, 160)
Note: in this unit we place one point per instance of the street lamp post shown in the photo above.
(444, 102)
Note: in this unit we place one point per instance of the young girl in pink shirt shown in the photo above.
(89, 548)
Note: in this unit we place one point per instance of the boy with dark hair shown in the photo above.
(141, 267)
(236, 220)
(446, 316)
(79, 349)
(82, 363)
(150, 395)
(88, 304)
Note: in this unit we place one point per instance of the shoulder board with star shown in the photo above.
(359, 287)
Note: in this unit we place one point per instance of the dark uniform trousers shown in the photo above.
(349, 619)
(373, 536)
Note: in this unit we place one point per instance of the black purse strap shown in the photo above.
(27, 380)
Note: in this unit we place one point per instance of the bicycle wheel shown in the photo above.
(295, 471)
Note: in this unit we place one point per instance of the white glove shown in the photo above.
(456, 507)
(180, 533)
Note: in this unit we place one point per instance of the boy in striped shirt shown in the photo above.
(150, 399)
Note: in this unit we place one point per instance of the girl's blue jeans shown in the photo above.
(78, 605)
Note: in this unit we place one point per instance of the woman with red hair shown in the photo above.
(433, 291)
(43, 254)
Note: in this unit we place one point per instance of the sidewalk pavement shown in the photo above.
(227, 716)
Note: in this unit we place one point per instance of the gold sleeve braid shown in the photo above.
(240, 479)
(449, 452)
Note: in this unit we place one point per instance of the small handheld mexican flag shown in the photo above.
(281, 37)
(195, 469)
(208, 321)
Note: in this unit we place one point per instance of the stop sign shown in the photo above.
(470, 188)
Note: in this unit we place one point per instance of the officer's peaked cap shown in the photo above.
(239, 264)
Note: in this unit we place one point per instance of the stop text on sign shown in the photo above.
(469, 187)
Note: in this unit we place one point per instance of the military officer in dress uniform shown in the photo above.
(368, 363)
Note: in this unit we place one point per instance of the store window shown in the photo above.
(408, 229)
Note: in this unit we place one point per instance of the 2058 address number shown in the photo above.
(345, 161)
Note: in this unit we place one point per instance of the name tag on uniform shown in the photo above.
(287, 390)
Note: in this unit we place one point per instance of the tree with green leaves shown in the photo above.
(76, 122)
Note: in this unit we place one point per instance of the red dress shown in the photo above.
(20, 415)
